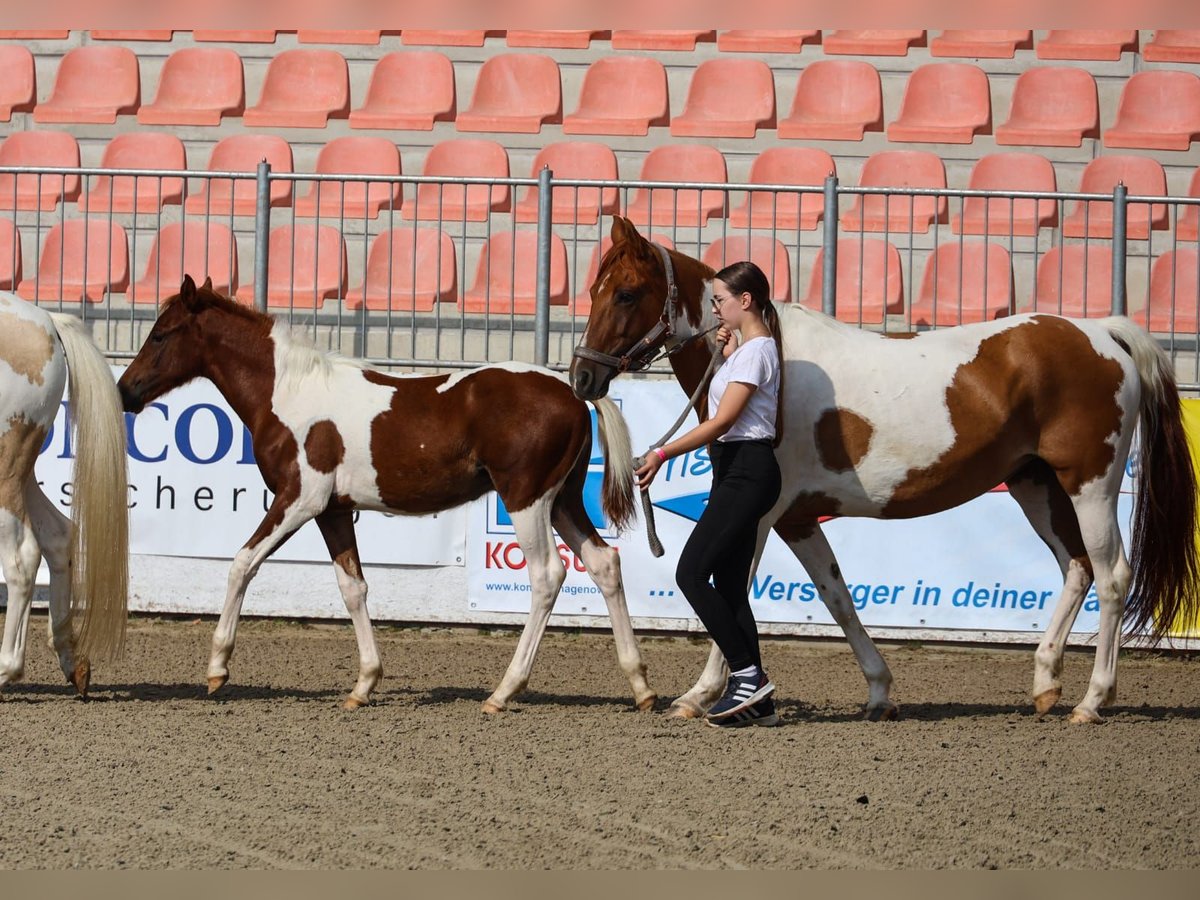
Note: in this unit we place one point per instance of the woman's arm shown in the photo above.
(733, 401)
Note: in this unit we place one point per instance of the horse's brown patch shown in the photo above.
(19, 445)
(902, 335)
(324, 448)
(842, 438)
(799, 520)
(26, 346)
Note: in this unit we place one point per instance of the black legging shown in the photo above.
(745, 486)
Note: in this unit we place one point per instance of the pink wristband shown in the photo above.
(662, 456)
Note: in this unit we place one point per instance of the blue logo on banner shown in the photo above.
(690, 506)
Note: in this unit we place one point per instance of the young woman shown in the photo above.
(743, 407)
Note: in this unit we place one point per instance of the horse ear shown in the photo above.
(620, 230)
(207, 286)
(187, 294)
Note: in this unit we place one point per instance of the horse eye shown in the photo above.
(156, 337)
(625, 296)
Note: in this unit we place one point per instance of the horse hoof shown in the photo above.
(1084, 717)
(1044, 702)
(491, 708)
(647, 703)
(680, 710)
(82, 678)
(889, 712)
(216, 682)
(353, 702)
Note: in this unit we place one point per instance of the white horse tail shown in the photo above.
(617, 491)
(100, 497)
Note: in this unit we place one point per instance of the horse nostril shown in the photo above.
(583, 380)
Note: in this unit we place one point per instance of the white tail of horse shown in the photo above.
(100, 498)
(618, 464)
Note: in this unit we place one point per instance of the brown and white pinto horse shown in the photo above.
(882, 427)
(331, 436)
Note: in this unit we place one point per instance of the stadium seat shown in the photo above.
(671, 206)
(514, 92)
(785, 211)
(1086, 44)
(898, 168)
(18, 81)
(10, 255)
(621, 95)
(1186, 227)
(1173, 45)
(34, 35)
(571, 205)
(768, 253)
(306, 266)
(303, 89)
(235, 37)
(1173, 299)
(407, 271)
(570, 40)
(137, 150)
(506, 278)
(81, 259)
(668, 39)
(431, 38)
(242, 153)
(132, 35)
(581, 304)
(354, 155)
(836, 100)
(944, 103)
(981, 43)
(310, 36)
(462, 158)
(188, 248)
(1141, 175)
(197, 86)
(1159, 110)
(54, 149)
(873, 42)
(1052, 107)
(868, 280)
(408, 91)
(765, 41)
(999, 216)
(963, 283)
(94, 85)
(727, 98)
(1074, 280)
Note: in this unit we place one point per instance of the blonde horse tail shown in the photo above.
(99, 501)
(617, 491)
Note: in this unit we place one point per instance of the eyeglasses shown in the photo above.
(717, 301)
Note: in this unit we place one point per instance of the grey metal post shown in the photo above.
(829, 267)
(541, 313)
(262, 233)
(1120, 217)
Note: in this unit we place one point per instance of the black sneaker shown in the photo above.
(741, 693)
(761, 713)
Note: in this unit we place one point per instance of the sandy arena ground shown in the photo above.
(274, 774)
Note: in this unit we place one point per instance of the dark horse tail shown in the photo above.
(1165, 588)
(617, 491)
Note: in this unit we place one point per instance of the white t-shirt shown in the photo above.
(755, 362)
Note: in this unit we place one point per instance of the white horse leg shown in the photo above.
(546, 576)
(19, 558)
(337, 527)
(706, 690)
(53, 531)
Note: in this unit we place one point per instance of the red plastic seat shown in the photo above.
(967, 282)
(408, 91)
(242, 153)
(728, 98)
(765, 41)
(571, 40)
(94, 84)
(1052, 107)
(1081, 43)
(581, 304)
(1158, 110)
(1141, 175)
(1173, 45)
(687, 206)
(1075, 280)
(506, 278)
(408, 271)
(188, 248)
(235, 37)
(944, 103)
(433, 38)
(836, 100)
(10, 255)
(18, 81)
(55, 149)
(197, 86)
(1186, 227)
(303, 89)
(137, 150)
(869, 281)
(462, 157)
(354, 155)
(1000, 215)
(665, 39)
(81, 259)
(514, 92)
(981, 43)
(873, 42)
(312, 36)
(621, 95)
(898, 168)
(768, 253)
(785, 211)
(306, 266)
(571, 205)
(34, 35)
(1173, 299)
(132, 35)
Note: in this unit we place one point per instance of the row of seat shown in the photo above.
(410, 269)
(624, 95)
(1167, 44)
(806, 166)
